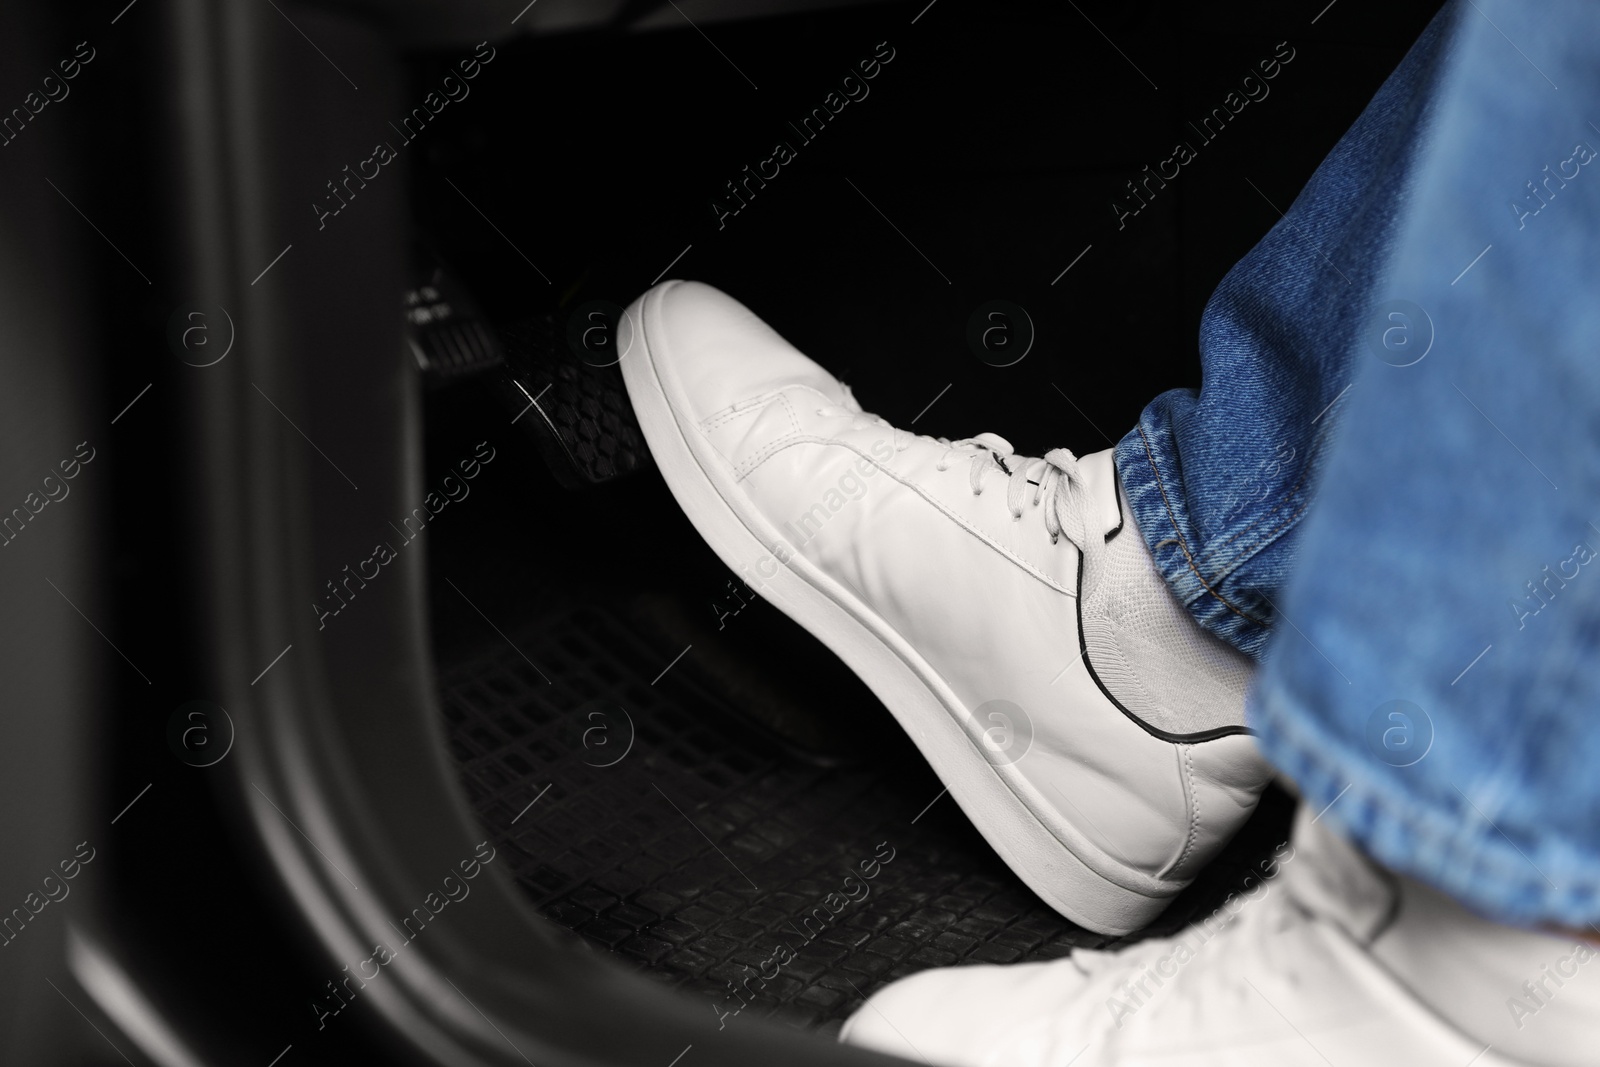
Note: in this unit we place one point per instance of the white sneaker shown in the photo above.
(1003, 608)
(1337, 962)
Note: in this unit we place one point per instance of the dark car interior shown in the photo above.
(401, 715)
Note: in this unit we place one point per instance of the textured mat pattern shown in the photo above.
(654, 823)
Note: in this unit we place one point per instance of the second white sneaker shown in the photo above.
(1335, 961)
(1004, 608)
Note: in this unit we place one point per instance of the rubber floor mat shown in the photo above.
(641, 811)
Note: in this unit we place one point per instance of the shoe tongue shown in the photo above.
(994, 443)
(1099, 473)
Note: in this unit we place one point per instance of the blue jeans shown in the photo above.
(1388, 486)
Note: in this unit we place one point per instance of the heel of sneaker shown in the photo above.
(1223, 780)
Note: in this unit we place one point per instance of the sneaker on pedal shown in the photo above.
(1003, 607)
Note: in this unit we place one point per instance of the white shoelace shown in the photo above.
(1056, 477)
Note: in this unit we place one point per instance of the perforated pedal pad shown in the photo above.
(573, 403)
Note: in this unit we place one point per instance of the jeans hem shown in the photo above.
(1451, 846)
(1157, 507)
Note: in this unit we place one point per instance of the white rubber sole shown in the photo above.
(909, 687)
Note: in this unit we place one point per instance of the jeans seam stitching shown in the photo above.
(1188, 558)
(1246, 529)
(1245, 553)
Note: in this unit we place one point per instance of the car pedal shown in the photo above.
(446, 332)
(572, 403)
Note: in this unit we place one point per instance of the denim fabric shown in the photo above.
(1219, 481)
(1436, 690)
